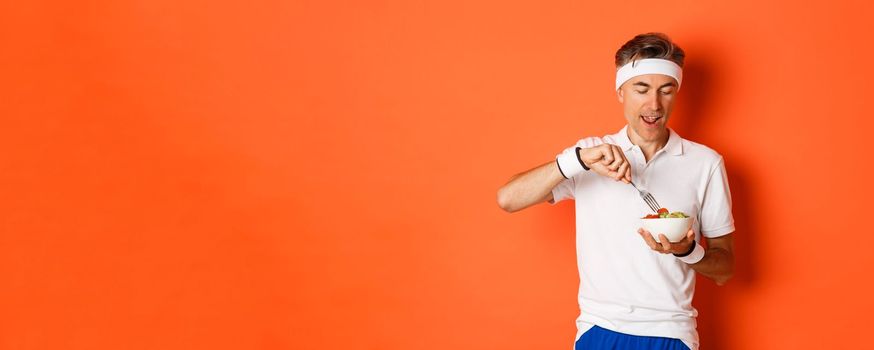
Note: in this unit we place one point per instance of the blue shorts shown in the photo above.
(598, 338)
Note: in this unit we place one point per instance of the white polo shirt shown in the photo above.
(624, 285)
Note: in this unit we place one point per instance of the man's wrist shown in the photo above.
(579, 158)
(688, 251)
(569, 162)
(693, 255)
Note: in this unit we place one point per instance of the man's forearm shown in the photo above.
(717, 264)
(529, 188)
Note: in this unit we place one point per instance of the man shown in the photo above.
(636, 291)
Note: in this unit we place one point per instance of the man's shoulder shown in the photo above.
(701, 152)
(703, 159)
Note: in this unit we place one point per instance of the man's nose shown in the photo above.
(655, 102)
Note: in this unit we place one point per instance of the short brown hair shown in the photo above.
(649, 45)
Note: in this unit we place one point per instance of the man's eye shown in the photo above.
(667, 92)
(641, 92)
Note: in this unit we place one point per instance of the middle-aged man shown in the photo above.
(636, 290)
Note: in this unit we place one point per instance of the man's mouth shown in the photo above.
(651, 120)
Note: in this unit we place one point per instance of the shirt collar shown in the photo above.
(673, 147)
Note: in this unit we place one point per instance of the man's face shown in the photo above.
(647, 102)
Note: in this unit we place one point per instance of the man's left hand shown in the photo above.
(666, 247)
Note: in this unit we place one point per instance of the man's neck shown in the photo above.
(649, 148)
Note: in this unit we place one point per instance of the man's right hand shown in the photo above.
(607, 160)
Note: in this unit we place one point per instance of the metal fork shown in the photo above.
(648, 198)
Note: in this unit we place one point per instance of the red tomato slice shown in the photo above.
(663, 210)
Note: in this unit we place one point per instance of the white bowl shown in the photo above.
(673, 228)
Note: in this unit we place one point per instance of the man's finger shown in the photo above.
(623, 169)
(666, 245)
(618, 158)
(607, 155)
(647, 237)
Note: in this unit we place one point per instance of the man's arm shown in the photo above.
(718, 261)
(530, 187)
(535, 185)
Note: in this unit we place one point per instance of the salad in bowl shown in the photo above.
(674, 225)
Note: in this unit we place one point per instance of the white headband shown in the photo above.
(649, 66)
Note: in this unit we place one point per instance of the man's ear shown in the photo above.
(620, 95)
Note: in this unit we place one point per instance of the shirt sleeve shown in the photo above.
(716, 219)
(564, 190)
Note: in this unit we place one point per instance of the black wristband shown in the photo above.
(581, 159)
(691, 249)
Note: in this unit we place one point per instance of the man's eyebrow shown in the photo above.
(642, 84)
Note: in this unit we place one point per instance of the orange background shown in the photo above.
(317, 175)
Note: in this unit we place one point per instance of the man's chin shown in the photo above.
(650, 133)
